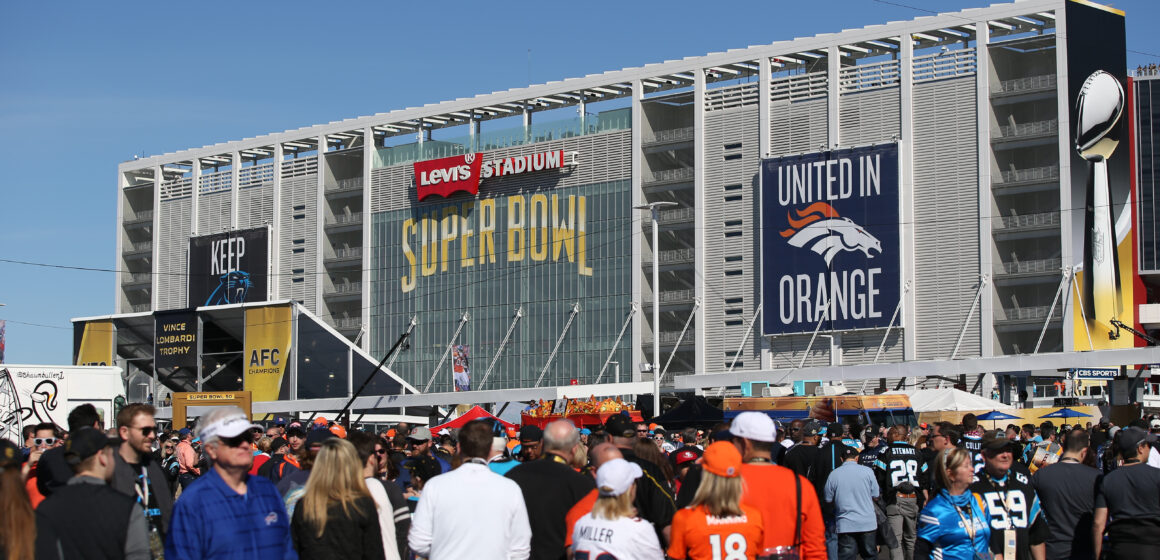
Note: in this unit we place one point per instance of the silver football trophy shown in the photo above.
(1098, 109)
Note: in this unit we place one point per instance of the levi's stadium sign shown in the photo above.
(449, 175)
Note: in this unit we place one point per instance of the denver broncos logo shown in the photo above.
(826, 233)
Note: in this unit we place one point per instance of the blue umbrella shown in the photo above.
(994, 416)
(1066, 413)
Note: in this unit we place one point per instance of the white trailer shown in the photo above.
(31, 394)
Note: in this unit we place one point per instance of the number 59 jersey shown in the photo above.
(1012, 504)
(696, 535)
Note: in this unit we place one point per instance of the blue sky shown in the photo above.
(86, 85)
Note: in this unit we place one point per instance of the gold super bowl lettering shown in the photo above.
(540, 227)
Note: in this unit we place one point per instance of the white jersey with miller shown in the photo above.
(627, 537)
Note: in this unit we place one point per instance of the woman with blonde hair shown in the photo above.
(612, 528)
(716, 524)
(337, 517)
(955, 524)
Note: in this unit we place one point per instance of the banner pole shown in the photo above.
(344, 415)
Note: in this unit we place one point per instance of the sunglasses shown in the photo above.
(642, 431)
(145, 430)
(238, 440)
(44, 441)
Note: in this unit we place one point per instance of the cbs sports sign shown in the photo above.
(830, 240)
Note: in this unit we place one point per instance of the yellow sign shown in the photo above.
(267, 350)
(539, 226)
(1110, 301)
(181, 401)
(96, 348)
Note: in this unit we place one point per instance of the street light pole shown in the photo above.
(654, 210)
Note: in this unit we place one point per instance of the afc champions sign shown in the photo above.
(830, 240)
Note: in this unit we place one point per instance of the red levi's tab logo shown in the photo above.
(449, 175)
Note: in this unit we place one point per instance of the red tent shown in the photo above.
(475, 413)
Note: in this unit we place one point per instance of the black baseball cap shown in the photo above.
(1131, 437)
(85, 443)
(835, 430)
(277, 443)
(620, 425)
(316, 437)
(997, 442)
(810, 429)
(531, 433)
(10, 455)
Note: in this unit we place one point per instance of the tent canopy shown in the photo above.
(938, 400)
(475, 413)
(695, 411)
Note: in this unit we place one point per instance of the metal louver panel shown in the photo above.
(946, 210)
(797, 126)
(172, 253)
(732, 292)
(869, 117)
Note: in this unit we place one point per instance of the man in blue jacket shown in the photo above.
(226, 513)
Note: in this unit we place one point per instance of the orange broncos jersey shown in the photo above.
(696, 535)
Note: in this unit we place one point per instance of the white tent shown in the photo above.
(938, 400)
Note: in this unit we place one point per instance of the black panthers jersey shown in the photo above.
(899, 469)
(974, 446)
(1013, 504)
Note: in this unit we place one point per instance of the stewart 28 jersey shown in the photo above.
(1012, 504)
(897, 464)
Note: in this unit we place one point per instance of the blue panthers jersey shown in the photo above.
(942, 526)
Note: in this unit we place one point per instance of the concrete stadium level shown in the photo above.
(545, 275)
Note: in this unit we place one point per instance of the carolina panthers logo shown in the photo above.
(232, 288)
(823, 231)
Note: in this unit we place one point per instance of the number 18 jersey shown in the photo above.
(696, 535)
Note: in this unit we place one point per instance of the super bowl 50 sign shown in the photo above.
(830, 240)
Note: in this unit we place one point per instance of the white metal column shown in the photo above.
(764, 72)
(906, 191)
(316, 275)
(1070, 253)
(637, 272)
(276, 227)
(235, 178)
(983, 139)
(700, 255)
(367, 288)
(154, 264)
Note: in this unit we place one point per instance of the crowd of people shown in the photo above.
(748, 489)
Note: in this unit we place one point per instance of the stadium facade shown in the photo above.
(901, 192)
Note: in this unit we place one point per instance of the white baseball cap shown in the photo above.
(1155, 424)
(228, 427)
(754, 426)
(615, 477)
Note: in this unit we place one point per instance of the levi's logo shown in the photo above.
(449, 175)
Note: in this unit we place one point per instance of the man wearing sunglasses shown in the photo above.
(137, 474)
(227, 513)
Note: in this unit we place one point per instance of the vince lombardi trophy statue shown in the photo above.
(1098, 110)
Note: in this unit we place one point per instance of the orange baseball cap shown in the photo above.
(338, 430)
(391, 433)
(321, 420)
(511, 432)
(722, 459)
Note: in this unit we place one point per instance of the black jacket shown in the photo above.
(654, 501)
(345, 538)
(125, 481)
(92, 520)
(550, 489)
(52, 472)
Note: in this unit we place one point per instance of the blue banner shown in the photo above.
(830, 240)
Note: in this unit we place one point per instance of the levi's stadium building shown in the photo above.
(881, 206)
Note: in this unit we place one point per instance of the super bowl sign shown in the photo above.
(830, 241)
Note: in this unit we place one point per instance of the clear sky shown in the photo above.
(86, 85)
